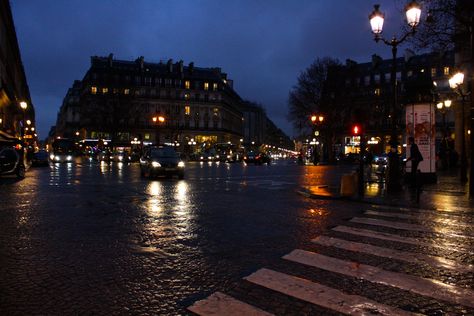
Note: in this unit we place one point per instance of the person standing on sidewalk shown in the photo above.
(415, 158)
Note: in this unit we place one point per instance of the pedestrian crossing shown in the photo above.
(360, 251)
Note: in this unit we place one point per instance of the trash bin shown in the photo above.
(349, 184)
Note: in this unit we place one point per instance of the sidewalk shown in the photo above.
(447, 193)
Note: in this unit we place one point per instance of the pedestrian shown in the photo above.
(415, 157)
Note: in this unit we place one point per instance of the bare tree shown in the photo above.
(307, 96)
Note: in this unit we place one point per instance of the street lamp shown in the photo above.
(455, 82)
(443, 108)
(160, 120)
(23, 106)
(376, 18)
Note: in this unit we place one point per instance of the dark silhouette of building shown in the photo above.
(126, 101)
(14, 90)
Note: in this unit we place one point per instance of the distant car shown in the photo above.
(161, 161)
(257, 158)
(381, 160)
(40, 158)
(121, 156)
(105, 156)
(11, 160)
(61, 157)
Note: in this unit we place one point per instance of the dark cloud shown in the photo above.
(262, 45)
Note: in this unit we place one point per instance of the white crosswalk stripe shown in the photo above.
(427, 287)
(437, 262)
(421, 217)
(406, 240)
(225, 305)
(320, 295)
(315, 291)
(411, 227)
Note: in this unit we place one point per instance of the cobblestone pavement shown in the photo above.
(385, 261)
(98, 239)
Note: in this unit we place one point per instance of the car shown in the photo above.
(257, 158)
(105, 156)
(11, 159)
(161, 161)
(40, 158)
(121, 156)
(61, 157)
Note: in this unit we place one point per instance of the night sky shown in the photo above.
(261, 45)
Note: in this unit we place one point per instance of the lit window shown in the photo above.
(187, 84)
(206, 85)
(433, 72)
(216, 111)
(422, 70)
(186, 96)
(93, 90)
(187, 110)
(409, 73)
(214, 86)
(105, 90)
(126, 91)
(377, 91)
(446, 70)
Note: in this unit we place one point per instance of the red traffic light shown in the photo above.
(356, 130)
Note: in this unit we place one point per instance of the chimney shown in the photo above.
(376, 60)
(181, 68)
(169, 65)
(110, 59)
(191, 67)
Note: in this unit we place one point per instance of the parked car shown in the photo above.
(40, 158)
(11, 160)
(161, 161)
(257, 158)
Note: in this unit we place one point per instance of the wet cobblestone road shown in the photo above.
(98, 239)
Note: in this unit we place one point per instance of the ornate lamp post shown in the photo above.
(160, 120)
(443, 108)
(455, 82)
(376, 18)
(23, 106)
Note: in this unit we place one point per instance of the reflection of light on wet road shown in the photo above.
(154, 203)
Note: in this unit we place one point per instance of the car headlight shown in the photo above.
(155, 164)
(51, 156)
(181, 164)
(68, 158)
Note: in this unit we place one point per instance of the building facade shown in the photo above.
(130, 101)
(16, 108)
(368, 98)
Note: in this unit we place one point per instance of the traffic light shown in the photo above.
(356, 130)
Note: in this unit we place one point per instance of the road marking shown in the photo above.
(411, 257)
(321, 295)
(422, 286)
(404, 226)
(406, 240)
(421, 217)
(221, 304)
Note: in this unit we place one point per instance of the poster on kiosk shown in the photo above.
(420, 124)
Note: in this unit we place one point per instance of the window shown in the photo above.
(214, 86)
(377, 91)
(398, 75)
(126, 91)
(206, 85)
(115, 90)
(197, 96)
(433, 72)
(377, 78)
(93, 90)
(446, 71)
(187, 110)
(409, 73)
(187, 84)
(186, 96)
(105, 90)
